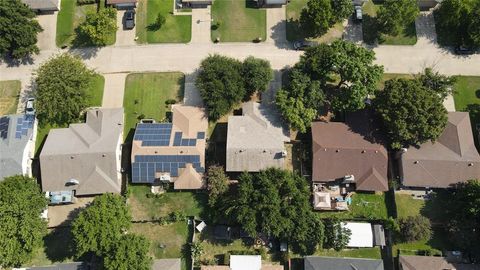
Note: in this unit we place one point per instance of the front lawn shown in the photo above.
(146, 207)
(69, 18)
(176, 29)
(364, 205)
(95, 94)
(238, 20)
(467, 99)
(371, 29)
(294, 32)
(9, 94)
(146, 93)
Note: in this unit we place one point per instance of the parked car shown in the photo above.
(129, 19)
(358, 14)
(463, 50)
(29, 108)
(301, 45)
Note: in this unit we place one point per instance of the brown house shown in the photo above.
(351, 151)
(451, 159)
(432, 263)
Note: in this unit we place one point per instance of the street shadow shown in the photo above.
(84, 52)
(279, 35)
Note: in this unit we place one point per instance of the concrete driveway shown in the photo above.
(201, 23)
(114, 90)
(46, 38)
(124, 37)
(277, 26)
(62, 215)
(191, 95)
(353, 31)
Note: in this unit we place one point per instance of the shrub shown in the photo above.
(170, 101)
(85, 2)
(415, 228)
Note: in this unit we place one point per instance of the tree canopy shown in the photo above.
(130, 252)
(396, 15)
(217, 183)
(412, 113)
(21, 226)
(100, 226)
(316, 18)
(342, 9)
(99, 26)
(277, 203)
(18, 30)
(336, 235)
(415, 228)
(257, 74)
(440, 84)
(62, 84)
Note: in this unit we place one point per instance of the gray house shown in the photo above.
(85, 158)
(122, 4)
(271, 3)
(43, 5)
(324, 263)
(17, 144)
(256, 139)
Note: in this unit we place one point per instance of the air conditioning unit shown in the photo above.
(165, 177)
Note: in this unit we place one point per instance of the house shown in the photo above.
(329, 263)
(256, 139)
(271, 3)
(350, 153)
(427, 4)
(17, 144)
(85, 158)
(243, 262)
(451, 159)
(432, 263)
(62, 266)
(196, 3)
(122, 4)
(43, 5)
(171, 152)
(167, 264)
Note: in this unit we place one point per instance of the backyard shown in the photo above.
(146, 93)
(95, 93)
(371, 33)
(364, 206)
(238, 20)
(69, 18)
(9, 95)
(176, 29)
(294, 32)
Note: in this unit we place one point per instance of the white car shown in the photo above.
(29, 108)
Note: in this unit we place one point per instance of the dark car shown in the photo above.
(302, 45)
(358, 14)
(463, 50)
(129, 19)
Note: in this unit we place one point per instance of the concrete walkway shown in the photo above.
(277, 26)
(114, 90)
(201, 23)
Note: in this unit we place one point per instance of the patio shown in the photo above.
(332, 197)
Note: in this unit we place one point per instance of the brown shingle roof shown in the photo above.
(111, 2)
(432, 263)
(452, 158)
(341, 149)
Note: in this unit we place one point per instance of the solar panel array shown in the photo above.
(4, 127)
(23, 125)
(153, 134)
(178, 140)
(145, 167)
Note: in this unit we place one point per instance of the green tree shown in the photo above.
(437, 82)
(101, 225)
(217, 183)
(277, 203)
(221, 84)
(257, 74)
(396, 15)
(98, 27)
(452, 21)
(336, 235)
(18, 30)
(62, 84)
(300, 101)
(415, 228)
(130, 252)
(21, 227)
(316, 18)
(412, 113)
(473, 30)
(342, 9)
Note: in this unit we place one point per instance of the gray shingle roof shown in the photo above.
(43, 4)
(330, 263)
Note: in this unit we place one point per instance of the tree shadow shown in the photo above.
(251, 4)
(217, 145)
(370, 28)
(474, 112)
(59, 244)
(14, 62)
(278, 35)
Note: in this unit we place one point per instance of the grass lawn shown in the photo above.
(95, 93)
(166, 241)
(407, 206)
(370, 29)
(56, 248)
(240, 20)
(69, 18)
(9, 94)
(373, 253)
(177, 28)
(467, 99)
(369, 206)
(294, 32)
(146, 93)
(144, 208)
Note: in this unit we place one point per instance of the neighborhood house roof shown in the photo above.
(255, 139)
(243, 262)
(352, 148)
(172, 152)
(86, 153)
(378, 235)
(16, 131)
(432, 263)
(43, 4)
(451, 159)
(167, 264)
(361, 236)
(111, 2)
(63, 266)
(328, 263)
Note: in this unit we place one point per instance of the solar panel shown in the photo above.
(153, 134)
(145, 167)
(4, 121)
(23, 125)
(201, 135)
